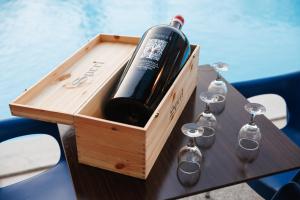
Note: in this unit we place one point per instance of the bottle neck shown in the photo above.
(176, 24)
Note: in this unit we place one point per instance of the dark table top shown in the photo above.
(220, 168)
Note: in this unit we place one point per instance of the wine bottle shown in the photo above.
(154, 65)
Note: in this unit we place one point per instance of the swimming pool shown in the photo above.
(257, 38)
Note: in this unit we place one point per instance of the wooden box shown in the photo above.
(75, 93)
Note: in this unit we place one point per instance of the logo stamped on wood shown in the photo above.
(86, 76)
(175, 105)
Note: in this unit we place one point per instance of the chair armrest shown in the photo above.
(297, 178)
(14, 127)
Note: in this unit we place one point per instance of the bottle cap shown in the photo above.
(179, 19)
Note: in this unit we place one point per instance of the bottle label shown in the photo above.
(154, 49)
(147, 65)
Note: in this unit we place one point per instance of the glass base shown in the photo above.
(192, 130)
(255, 108)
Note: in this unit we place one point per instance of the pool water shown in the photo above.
(257, 38)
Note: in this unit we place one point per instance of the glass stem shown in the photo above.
(218, 76)
(206, 108)
(191, 142)
(252, 117)
(206, 111)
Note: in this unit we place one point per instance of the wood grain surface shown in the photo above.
(221, 167)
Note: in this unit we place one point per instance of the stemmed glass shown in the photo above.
(218, 86)
(190, 157)
(207, 139)
(207, 118)
(250, 135)
(218, 106)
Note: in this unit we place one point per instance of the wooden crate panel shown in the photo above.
(150, 139)
(115, 147)
(119, 165)
(170, 110)
(73, 82)
(76, 92)
(127, 141)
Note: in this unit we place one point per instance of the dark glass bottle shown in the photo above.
(157, 60)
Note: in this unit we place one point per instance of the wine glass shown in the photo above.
(207, 139)
(250, 135)
(218, 106)
(206, 118)
(218, 86)
(190, 156)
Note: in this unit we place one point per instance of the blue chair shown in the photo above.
(55, 183)
(297, 178)
(290, 191)
(287, 86)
